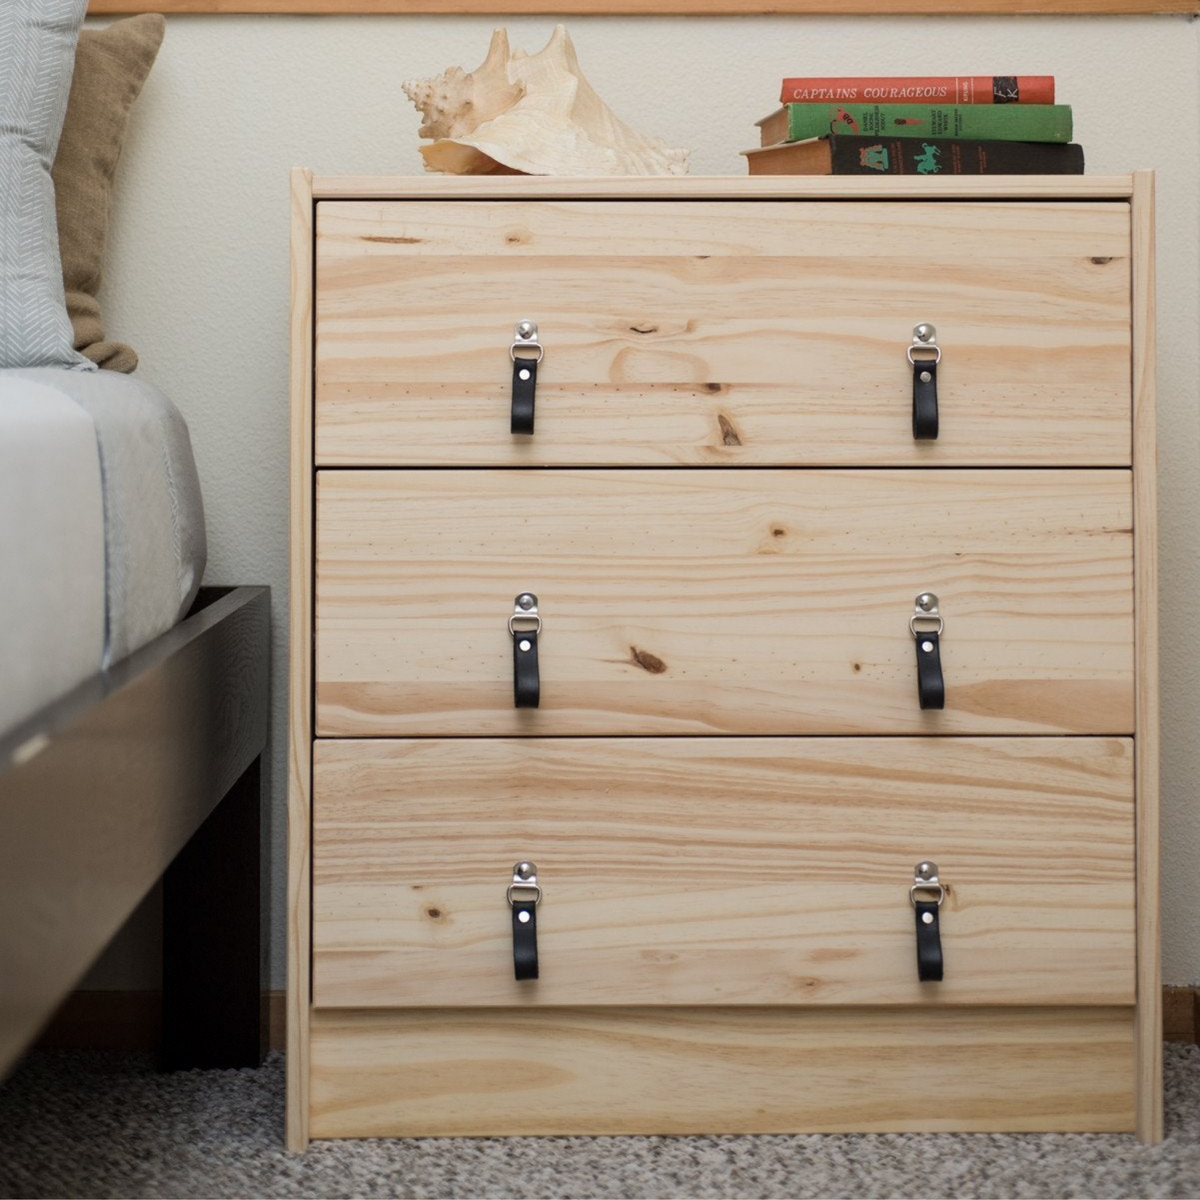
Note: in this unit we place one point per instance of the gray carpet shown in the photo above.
(90, 1124)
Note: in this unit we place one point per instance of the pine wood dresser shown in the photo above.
(723, 656)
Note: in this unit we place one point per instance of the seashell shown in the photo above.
(531, 114)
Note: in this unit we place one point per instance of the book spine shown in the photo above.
(950, 89)
(1027, 123)
(952, 156)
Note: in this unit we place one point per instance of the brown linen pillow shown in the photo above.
(111, 65)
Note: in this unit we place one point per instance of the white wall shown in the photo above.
(198, 254)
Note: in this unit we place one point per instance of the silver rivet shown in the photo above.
(524, 374)
(525, 600)
(925, 377)
(525, 869)
(926, 601)
(525, 329)
(524, 645)
(926, 917)
(927, 646)
(523, 917)
(924, 332)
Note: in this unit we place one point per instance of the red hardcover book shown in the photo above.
(952, 89)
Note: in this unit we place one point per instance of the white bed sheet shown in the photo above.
(151, 541)
(51, 548)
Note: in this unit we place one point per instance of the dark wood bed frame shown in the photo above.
(153, 768)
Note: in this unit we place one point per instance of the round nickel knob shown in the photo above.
(927, 601)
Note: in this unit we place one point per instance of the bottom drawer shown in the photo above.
(713, 871)
(674, 1071)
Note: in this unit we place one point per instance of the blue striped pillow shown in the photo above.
(37, 53)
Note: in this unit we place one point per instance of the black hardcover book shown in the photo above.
(843, 154)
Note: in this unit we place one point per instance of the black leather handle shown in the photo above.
(527, 687)
(929, 942)
(931, 687)
(524, 384)
(925, 402)
(524, 927)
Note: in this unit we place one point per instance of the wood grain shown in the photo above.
(300, 697)
(709, 871)
(460, 1073)
(736, 333)
(1149, 1014)
(773, 601)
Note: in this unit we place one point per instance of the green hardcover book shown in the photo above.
(991, 122)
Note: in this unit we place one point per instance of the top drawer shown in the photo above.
(722, 332)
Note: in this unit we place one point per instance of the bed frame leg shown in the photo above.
(214, 944)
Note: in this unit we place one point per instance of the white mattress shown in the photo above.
(101, 527)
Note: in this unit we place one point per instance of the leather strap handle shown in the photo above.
(931, 686)
(524, 930)
(524, 386)
(525, 624)
(930, 966)
(925, 401)
(527, 684)
(524, 376)
(924, 395)
(926, 896)
(524, 895)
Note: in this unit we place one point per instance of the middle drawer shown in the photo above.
(726, 601)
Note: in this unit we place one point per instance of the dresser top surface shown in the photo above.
(716, 187)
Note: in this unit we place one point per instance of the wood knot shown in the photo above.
(857, 667)
(643, 328)
(434, 914)
(779, 531)
(714, 388)
(1101, 260)
(729, 435)
(647, 661)
(517, 237)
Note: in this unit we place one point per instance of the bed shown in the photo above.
(133, 716)
(133, 702)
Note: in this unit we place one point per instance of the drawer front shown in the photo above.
(701, 871)
(722, 333)
(699, 602)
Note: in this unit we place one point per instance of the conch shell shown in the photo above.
(530, 114)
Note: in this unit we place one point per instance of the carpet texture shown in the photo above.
(92, 1124)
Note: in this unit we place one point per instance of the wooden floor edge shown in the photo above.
(93, 1020)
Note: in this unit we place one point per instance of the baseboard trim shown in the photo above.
(133, 1020)
(1181, 1014)
(130, 1021)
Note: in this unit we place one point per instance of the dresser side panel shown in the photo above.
(300, 616)
(1149, 1010)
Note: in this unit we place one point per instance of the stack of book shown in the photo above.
(953, 125)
